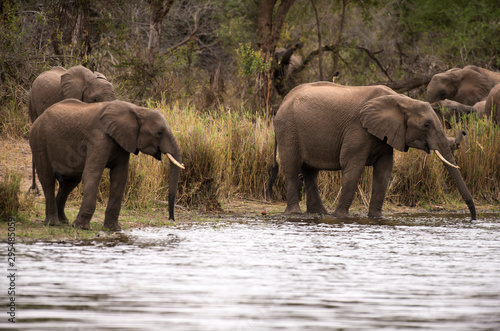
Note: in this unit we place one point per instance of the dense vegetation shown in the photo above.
(210, 72)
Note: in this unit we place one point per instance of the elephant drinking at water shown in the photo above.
(73, 141)
(325, 126)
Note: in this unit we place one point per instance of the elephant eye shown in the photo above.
(427, 125)
(159, 133)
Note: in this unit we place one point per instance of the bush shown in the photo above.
(10, 187)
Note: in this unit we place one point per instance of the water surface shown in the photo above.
(423, 272)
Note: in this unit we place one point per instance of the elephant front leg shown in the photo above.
(91, 178)
(118, 181)
(350, 179)
(382, 170)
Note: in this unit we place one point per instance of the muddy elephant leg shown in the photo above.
(350, 179)
(382, 170)
(91, 178)
(118, 181)
(313, 199)
(65, 188)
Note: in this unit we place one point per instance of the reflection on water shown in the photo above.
(432, 272)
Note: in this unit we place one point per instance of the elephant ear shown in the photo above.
(119, 120)
(384, 117)
(73, 82)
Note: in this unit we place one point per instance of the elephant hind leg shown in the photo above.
(293, 185)
(66, 186)
(313, 198)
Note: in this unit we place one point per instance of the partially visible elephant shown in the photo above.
(492, 105)
(73, 141)
(448, 109)
(325, 126)
(465, 85)
(492, 76)
(285, 64)
(58, 84)
(455, 142)
(480, 107)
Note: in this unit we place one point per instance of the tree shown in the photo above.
(159, 10)
(269, 24)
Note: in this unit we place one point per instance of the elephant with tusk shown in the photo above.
(74, 141)
(325, 126)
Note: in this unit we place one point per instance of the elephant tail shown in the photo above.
(273, 171)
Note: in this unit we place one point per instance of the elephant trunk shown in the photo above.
(173, 181)
(175, 158)
(458, 180)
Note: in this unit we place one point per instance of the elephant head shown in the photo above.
(82, 84)
(138, 129)
(403, 122)
(466, 86)
(446, 109)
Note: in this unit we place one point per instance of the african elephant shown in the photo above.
(58, 84)
(468, 85)
(492, 105)
(73, 140)
(448, 109)
(325, 126)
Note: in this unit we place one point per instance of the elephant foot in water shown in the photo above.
(111, 226)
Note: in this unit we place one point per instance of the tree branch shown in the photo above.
(408, 84)
(374, 58)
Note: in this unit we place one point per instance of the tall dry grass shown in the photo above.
(227, 154)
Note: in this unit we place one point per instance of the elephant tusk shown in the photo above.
(445, 160)
(174, 161)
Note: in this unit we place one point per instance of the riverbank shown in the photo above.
(16, 158)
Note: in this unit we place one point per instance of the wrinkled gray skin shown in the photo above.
(58, 84)
(446, 109)
(325, 126)
(468, 85)
(492, 104)
(73, 141)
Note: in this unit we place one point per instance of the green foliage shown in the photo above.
(9, 195)
(461, 31)
(251, 62)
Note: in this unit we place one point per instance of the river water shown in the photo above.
(418, 272)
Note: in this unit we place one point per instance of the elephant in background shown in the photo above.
(492, 104)
(325, 126)
(480, 107)
(58, 84)
(448, 109)
(74, 141)
(285, 64)
(468, 85)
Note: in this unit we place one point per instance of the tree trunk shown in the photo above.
(158, 12)
(269, 25)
